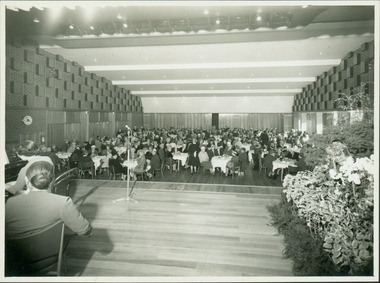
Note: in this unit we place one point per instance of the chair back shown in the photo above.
(35, 254)
(85, 165)
(63, 181)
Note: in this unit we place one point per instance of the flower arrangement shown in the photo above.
(336, 201)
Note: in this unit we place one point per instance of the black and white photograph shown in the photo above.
(189, 141)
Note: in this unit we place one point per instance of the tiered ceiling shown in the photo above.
(195, 49)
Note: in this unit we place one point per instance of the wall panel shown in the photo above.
(200, 120)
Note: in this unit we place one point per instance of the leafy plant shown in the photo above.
(336, 202)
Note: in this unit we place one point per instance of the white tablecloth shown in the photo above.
(292, 149)
(97, 159)
(283, 164)
(181, 156)
(120, 149)
(220, 161)
(130, 164)
(25, 157)
(63, 155)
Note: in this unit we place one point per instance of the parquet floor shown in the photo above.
(176, 229)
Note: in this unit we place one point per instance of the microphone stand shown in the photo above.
(128, 198)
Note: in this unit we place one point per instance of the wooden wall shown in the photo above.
(200, 120)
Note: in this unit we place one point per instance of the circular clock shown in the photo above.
(27, 120)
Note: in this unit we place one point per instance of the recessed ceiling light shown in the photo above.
(71, 26)
(125, 25)
(217, 21)
(36, 20)
(206, 12)
(258, 18)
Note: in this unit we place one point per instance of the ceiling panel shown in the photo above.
(167, 49)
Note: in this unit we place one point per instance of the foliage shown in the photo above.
(301, 245)
(356, 133)
(336, 202)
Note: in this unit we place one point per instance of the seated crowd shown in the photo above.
(153, 149)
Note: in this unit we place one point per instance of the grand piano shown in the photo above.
(13, 164)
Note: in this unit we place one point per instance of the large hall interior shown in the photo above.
(174, 131)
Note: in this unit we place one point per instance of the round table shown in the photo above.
(283, 164)
(180, 156)
(221, 162)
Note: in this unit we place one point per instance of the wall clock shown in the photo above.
(27, 120)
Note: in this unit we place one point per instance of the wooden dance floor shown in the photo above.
(176, 229)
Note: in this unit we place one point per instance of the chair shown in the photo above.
(37, 254)
(142, 174)
(112, 173)
(235, 168)
(169, 163)
(261, 166)
(104, 165)
(161, 169)
(86, 166)
(63, 181)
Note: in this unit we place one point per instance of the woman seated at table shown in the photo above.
(116, 163)
(74, 157)
(232, 163)
(243, 159)
(141, 165)
(204, 159)
(268, 162)
(169, 158)
(155, 162)
(229, 150)
(300, 165)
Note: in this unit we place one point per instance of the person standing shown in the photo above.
(193, 150)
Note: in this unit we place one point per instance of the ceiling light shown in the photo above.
(217, 21)
(258, 18)
(91, 27)
(36, 20)
(125, 25)
(206, 12)
(71, 26)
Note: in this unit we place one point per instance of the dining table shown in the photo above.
(220, 162)
(180, 157)
(283, 164)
